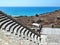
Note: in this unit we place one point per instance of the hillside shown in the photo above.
(45, 19)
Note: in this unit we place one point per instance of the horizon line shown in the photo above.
(29, 6)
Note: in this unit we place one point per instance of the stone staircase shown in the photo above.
(18, 30)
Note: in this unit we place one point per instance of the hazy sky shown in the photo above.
(30, 3)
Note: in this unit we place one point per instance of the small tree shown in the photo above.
(37, 15)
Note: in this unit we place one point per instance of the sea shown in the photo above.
(27, 11)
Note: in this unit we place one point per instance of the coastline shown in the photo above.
(27, 11)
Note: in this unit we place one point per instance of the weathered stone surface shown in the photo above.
(7, 40)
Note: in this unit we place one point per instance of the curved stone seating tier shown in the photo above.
(7, 23)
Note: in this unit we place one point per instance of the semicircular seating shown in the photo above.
(11, 25)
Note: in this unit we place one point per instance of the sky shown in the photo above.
(28, 3)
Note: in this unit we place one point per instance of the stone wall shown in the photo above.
(53, 39)
(50, 39)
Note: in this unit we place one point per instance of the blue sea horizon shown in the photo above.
(27, 11)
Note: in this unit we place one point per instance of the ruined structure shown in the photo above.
(10, 25)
